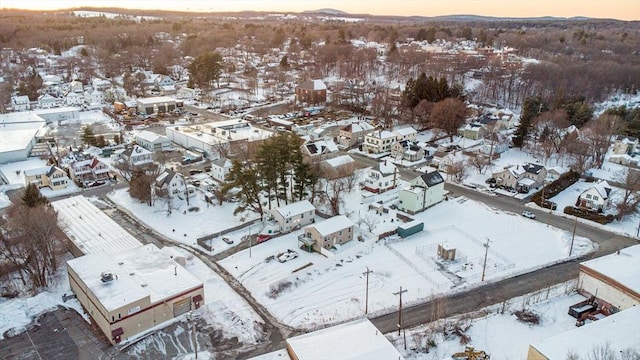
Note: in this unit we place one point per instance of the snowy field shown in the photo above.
(312, 290)
(182, 225)
(499, 334)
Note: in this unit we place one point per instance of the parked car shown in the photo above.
(549, 205)
(227, 240)
(262, 238)
(289, 255)
(528, 214)
(195, 171)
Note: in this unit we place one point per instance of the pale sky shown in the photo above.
(617, 9)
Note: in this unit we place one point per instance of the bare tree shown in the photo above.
(579, 153)
(479, 161)
(457, 171)
(32, 242)
(601, 131)
(449, 115)
(630, 181)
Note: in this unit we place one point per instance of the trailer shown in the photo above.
(410, 228)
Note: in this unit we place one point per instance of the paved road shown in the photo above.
(497, 292)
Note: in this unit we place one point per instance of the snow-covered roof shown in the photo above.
(340, 160)
(37, 171)
(603, 188)
(620, 331)
(321, 147)
(156, 100)
(355, 340)
(90, 229)
(526, 182)
(623, 267)
(296, 208)
(384, 134)
(23, 117)
(144, 271)
(387, 168)
(331, 225)
(406, 131)
(151, 136)
(15, 140)
(358, 127)
(313, 85)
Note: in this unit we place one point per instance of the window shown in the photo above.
(595, 198)
(588, 196)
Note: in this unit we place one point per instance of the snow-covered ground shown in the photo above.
(499, 333)
(224, 309)
(18, 313)
(186, 226)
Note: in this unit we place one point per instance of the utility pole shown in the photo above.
(366, 296)
(401, 318)
(192, 320)
(573, 236)
(484, 264)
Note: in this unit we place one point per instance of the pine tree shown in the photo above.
(32, 196)
(531, 108)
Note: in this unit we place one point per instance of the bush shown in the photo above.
(555, 188)
(589, 215)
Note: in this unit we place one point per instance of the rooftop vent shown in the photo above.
(106, 277)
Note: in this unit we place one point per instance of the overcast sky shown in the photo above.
(618, 9)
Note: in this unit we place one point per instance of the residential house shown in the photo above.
(153, 142)
(47, 101)
(446, 161)
(186, 93)
(473, 131)
(595, 198)
(337, 167)
(52, 177)
(100, 84)
(311, 92)
(76, 87)
(220, 168)
(624, 145)
(293, 216)
(425, 191)
(73, 99)
(165, 85)
(20, 103)
(169, 184)
(407, 150)
(354, 134)
(317, 151)
(521, 178)
(379, 142)
(554, 173)
(136, 156)
(327, 233)
(381, 178)
(406, 133)
(88, 170)
(95, 97)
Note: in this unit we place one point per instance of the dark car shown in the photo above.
(195, 171)
(227, 240)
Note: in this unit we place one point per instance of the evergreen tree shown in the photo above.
(205, 69)
(88, 137)
(531, 108)
(32, 196)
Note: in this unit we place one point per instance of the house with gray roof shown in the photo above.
(424, 191)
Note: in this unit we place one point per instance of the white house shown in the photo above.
(378, 142)
(624, 145)
(294, 215)
(328, 233)
(76, 87)
(74, 99)
(353, 134)
(137, 156)
(94, 97)
(595, 198)
(47, 101)
(20, 103)
(220, 168)
(319, 150)
(169, 184)
(84, 171)
(426, 190)
(407, 150)
(381, 178)
(406, 133)
(153, 142)
(186, 93)
(165, 84)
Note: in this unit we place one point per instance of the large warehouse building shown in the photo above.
(127, 288)
(18, 134)
(231, 137)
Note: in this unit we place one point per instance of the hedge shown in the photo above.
(556, 187)
(589, 215)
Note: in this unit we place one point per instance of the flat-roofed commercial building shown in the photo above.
(130, 292)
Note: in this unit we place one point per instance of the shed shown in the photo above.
(410, 228)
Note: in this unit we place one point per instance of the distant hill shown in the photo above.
(326, 11)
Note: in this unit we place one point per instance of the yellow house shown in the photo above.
(48, 176)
